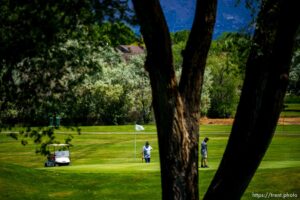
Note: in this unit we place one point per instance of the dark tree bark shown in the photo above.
(261, 100)
(176, 107)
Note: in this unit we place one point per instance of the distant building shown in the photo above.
(130, 50)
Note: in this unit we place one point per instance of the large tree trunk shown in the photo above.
(176, 108)
(261, 100)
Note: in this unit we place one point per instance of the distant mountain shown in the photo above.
(180, 15)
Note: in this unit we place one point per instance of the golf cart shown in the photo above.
(60, 155)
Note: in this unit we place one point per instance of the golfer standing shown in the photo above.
(204, 153)
(147, 152)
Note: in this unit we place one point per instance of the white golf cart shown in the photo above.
(61, 155)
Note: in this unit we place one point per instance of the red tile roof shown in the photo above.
(131, 49)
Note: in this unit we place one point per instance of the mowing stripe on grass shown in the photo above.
(152, 167)
(107, 168)
(264, 165)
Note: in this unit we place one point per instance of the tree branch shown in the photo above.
(195, 54)
(154, 28)
(159, 62)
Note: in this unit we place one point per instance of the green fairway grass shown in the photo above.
(291, 110)
(106, 165)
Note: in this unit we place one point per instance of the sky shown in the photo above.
(180, 13)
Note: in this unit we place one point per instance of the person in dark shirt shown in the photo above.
(204, 153)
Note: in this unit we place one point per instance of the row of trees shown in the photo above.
(225, 71)
(95, 85)
(66, 64)
(88, 83)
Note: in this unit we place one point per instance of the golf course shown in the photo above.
(106, 165)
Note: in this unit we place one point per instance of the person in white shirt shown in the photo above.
(147, 152)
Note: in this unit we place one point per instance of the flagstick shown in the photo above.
(137, 128)
(135, 146)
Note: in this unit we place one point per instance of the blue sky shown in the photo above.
(180, 14)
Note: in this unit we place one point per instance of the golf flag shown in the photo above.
(139, 127)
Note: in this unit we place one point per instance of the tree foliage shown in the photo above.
(225, 88)
(227, 61)
(117, 95)
(98, 87)
(44, 82)
(48, 47)
(224, 72)
(294, 82)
